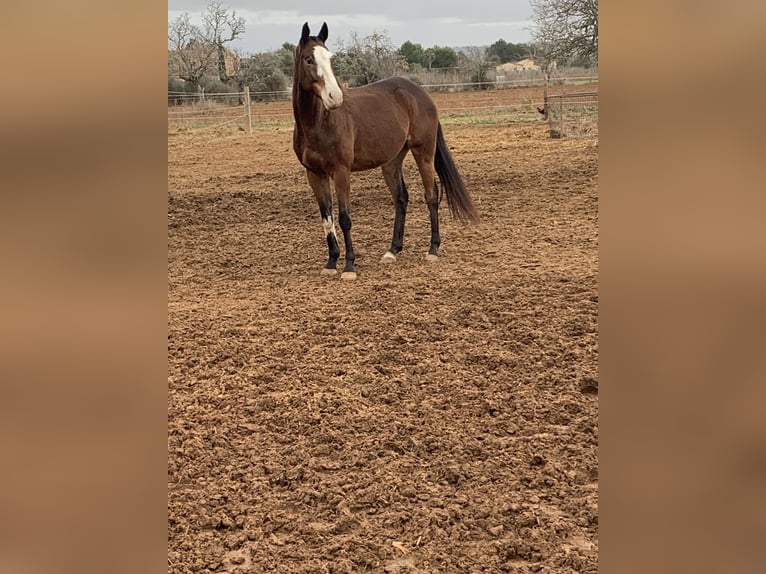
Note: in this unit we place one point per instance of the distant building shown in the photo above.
(520, 66)
(526, 67)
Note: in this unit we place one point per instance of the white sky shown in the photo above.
(270, 23)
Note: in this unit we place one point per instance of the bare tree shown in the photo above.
(368, 59)
(478, 61)
(237, 75)
(190, 56)
(195, 51)
(566, 30)
(221, 27)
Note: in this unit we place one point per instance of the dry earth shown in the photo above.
(436, 418)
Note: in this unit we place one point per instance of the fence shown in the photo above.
(190, 112)
(570, 112)
(527, 82)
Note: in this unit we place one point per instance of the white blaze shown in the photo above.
(332, 97)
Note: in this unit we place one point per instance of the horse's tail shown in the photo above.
(460, 203)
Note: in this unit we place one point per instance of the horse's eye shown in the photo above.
(310, 60)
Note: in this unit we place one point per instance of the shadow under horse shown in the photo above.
(338, 131)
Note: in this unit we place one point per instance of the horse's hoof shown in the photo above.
(431, 258)
(348, 275)
(329, 272)
(388, 257)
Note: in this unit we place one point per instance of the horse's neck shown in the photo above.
(309, 112)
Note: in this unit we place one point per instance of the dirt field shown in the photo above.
(426, 418)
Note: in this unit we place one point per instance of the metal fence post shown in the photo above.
(247, 110)
(561, 114)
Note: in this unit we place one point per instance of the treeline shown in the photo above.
(444, 57)
(199, 59)
(360, 61)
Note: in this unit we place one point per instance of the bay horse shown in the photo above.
(338, 131)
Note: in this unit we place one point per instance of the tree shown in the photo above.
(504, 51)
(263, 73)
(287, 59)
(441, 57)
(413, 54)
(189, 56)
(566, 30)
(368, 59)
(194, 51)
(222, 28)
(237, 75)
(479, 61)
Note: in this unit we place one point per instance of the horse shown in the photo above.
(342, 130)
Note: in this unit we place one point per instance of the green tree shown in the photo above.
(287, 59)
(441, 57)
(262, 72)
(413, 53)
(504, 51)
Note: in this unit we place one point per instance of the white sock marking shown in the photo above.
(329, 226)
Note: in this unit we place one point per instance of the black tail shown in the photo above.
(460, 203)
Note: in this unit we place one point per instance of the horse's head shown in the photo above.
(313, 70)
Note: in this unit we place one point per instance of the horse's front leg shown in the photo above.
(321, 188)
(342, 181)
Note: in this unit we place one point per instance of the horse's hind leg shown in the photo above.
(424, 157)
(321, 187)
(392, 173)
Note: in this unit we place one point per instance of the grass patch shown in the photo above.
(490, 117)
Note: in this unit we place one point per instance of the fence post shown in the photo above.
(545, 96)
(247, 110)
(561, 114)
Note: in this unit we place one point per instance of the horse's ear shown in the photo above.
(323, 32)
(305, 33)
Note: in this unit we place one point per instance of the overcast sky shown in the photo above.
(270, 23)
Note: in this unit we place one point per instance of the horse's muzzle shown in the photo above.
(333, 101)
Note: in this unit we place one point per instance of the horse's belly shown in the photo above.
(369, 163)
(371, 151)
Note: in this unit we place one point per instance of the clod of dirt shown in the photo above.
(400, 566)
(589, 386)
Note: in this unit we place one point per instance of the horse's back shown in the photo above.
(399, 90)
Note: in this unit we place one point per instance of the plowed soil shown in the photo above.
(427, 417)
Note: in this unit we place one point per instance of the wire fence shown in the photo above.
(573, 114)
(207, 115)
(569, 107)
